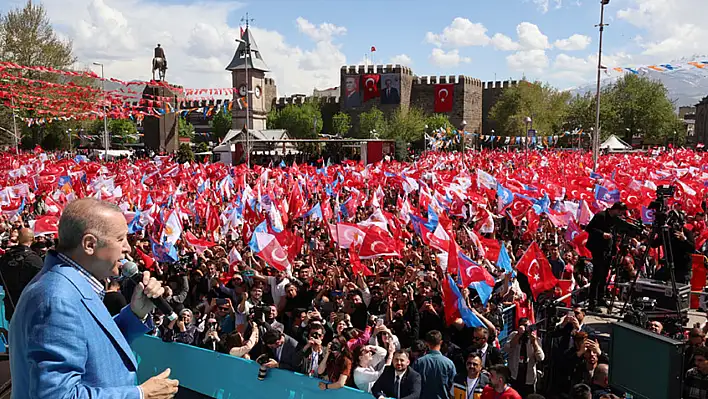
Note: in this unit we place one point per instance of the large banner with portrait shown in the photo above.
(390, 88)
(352, 97)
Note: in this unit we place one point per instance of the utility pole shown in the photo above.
(106, 140)
(596, 136)
(14, 125)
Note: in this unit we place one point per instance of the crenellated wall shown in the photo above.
(328, 106)
(490, 95)
(270, 92)
(466, 96)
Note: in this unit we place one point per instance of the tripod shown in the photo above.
(664, 236)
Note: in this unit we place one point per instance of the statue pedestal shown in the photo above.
(160, 133)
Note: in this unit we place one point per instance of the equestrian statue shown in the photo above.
(159, 63)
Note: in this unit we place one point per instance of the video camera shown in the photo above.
(629, 226)
(662, 214)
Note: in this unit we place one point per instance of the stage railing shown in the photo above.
(219, 375)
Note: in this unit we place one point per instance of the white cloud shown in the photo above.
(451, 58)
(504, 43)
(401, 59)
(531, 38)
(198, 42)
(324, 32)
(544, 5)
(575, 42)
(576, 70)
(672, 29)
(534, 61)
(460, 33)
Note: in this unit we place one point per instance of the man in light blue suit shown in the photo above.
(63, 342)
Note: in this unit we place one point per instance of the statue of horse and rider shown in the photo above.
(159, 63)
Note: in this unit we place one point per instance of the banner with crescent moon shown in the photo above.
(370, 86)
(351, 91)
(444, 98)
(390, 88)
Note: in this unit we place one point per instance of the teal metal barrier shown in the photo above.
(226, 377)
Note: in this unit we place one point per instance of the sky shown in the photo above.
(305, 42)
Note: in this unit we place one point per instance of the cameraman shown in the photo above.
(600, 244)
(683, 245)
(18, 267)
(525, 352)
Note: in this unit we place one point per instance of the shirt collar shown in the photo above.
(96, 285)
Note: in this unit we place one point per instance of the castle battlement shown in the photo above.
(389, 68)
(269, 81)
(500, 85)
(444, 79)
(299, 100)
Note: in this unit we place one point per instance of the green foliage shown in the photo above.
(221, 124)
(341, 124)
(184, 153)
(401, 149)
(369, 121)
(301, 121)
(437, 121)
(186, 129)
(27, 38)
(407, 125)
(642, 107)
(544, 104)
(201, 147)
(121, 131)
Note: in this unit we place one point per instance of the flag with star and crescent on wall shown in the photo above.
(370, 86)
(444, 97)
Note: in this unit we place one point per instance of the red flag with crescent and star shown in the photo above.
(370, 86)
(443, 98)
(534, 265)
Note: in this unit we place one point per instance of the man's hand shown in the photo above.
(272, 364)
(160, 387)
(168, 292)
(146, 290)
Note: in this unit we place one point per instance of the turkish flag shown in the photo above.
(46, 225)
(377, 243)
(524, 310)
(357, 267)
(370, 85)
(534, 265)
(444, 97)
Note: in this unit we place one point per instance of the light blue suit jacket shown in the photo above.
(64, 343)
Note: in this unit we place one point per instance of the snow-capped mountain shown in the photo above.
(686, 85)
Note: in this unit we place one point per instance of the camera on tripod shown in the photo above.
(662, 215)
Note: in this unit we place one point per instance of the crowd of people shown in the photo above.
(391, 278)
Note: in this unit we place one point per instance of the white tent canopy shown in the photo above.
(613, 143)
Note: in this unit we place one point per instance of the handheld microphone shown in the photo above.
(130, 271)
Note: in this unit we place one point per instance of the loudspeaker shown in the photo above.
(645, 364)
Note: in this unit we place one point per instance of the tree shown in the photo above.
(437, 121)
(27, 38)
(642, 107)
(302, 121)
(184, 153)
(186, 129)
(201, 147)
(341, 124)
(406, 125)
(221, 124)
(544, 104)
(371, 121)
(121, 131)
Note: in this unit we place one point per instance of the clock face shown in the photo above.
(258, 92)
(242, 90)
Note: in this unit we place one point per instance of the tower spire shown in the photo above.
(247, 44)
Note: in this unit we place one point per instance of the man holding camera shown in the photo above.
(600, 241)
(525, 352)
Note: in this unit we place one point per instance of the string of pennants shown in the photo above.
(703, 65)
(442, 139)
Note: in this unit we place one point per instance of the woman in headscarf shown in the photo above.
(181, 329)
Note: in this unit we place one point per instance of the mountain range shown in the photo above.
(686, 85)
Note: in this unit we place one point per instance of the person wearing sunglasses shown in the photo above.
(313, 350)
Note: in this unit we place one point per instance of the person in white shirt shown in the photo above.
(369, 362)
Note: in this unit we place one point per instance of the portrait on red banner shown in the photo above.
(351, 92)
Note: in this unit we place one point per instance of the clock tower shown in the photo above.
(250, 102)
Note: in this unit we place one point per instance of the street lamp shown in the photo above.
(493, 139)
(529, 124)
(596, 137)
(106, 141)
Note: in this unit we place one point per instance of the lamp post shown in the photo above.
(529, 124)
(106, 140)
(464, 144)
(596, 137)
(493, 137)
